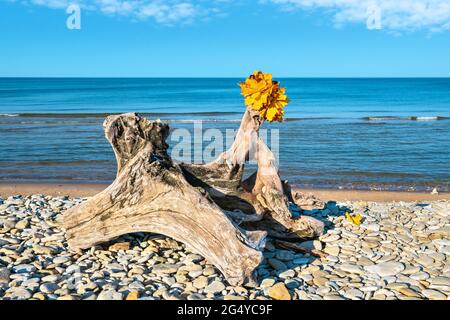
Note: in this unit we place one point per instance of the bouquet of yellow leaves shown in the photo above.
(263, 94)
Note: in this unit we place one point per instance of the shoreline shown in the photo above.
(87, 190)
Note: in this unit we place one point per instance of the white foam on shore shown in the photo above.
(201, 120)
(8, 115)
(427, 118)
(413, 118)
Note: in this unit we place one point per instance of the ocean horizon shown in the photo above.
(348, 133)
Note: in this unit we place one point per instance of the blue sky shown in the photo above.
(222, 38)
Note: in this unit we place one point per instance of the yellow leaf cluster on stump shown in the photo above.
(263, 94)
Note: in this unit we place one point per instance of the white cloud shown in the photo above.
(396, 15)
(54, 4)
(169, 13)
(162, 11)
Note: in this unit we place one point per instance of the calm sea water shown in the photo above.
(339, 133)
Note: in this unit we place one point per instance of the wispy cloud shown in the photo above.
(162, 11)
(395, 15)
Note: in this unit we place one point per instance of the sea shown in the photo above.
(338, 133)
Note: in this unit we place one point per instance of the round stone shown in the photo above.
(434, 294)
(19, 293)
(320, 281)
(277, 264)
(351, 268)
(386, 268)
(279, 292)
(292, 284)
(331, 238)
(109, 295)
(332, 296)
(200, 282)
(332, 250)
(196, 296)
(354, 294)
(4, 275)
(22, 224)
(215, 287)
(208, 271)
(48, 287)
(287, 274)
(61, 260)
(267, 283)
(420, 276)
(165, 268)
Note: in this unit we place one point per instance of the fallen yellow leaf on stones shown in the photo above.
(354, 219)
(133, 295)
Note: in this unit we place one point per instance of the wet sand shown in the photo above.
(87, 190)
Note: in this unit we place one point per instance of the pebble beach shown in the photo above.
(399, 251)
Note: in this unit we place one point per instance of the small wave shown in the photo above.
(413, 118)
(381, 118)
(66, 162)
(309, 119)
(238, 120)
(429, 118)
(45, 122)
(8, 115)
(200, 120)
(104, 115)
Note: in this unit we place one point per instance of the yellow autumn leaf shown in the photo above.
(263, 94)
(354, 219)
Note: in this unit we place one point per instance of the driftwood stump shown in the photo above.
(208, 207)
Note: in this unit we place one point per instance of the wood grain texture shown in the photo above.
(204, 206)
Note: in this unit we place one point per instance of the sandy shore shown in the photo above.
(87, 190)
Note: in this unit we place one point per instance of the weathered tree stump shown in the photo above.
(263, 196)
(204, 206)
